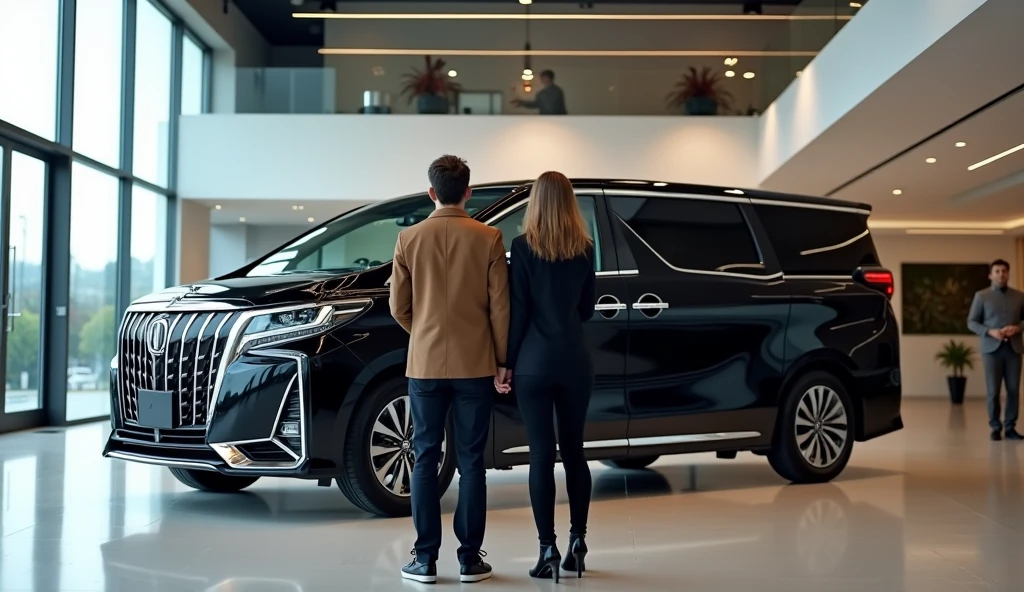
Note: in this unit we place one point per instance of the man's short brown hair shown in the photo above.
(449, 176)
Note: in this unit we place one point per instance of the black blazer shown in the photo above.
(550, 302)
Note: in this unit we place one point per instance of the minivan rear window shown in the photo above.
(814, 241)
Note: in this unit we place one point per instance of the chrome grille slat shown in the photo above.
(187, 366)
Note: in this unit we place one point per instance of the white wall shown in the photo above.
(922, 376)
(260, 240)
(353, 157)
(227, 248)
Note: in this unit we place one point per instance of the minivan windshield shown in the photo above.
(361, 239)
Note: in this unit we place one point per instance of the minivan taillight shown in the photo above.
(879, 279)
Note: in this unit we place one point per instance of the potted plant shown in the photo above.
(956, 355)
(699, 93)
(432, 87)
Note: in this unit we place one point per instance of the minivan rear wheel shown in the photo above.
(379, 456)
(814, 435)
(212, 480)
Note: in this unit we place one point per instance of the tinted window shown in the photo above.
(692, 234)
(816, 241)
(511, 226)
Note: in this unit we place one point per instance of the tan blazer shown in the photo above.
(449, 290)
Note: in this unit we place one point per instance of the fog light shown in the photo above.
(290, 428)
(231, 455)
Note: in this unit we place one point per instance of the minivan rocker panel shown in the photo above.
(727, 320)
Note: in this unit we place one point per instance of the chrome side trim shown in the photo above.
(809, 206)
(834, 247)
(845, 325)
(623, 443)
(691, 438)
(163, 462)
(622, 272)
(746, 276)
(825, 278)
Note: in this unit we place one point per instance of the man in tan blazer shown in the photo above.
(449, 290)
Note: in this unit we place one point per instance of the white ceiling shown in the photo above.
(275, 212)
(946, 191)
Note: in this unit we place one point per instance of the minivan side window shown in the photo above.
(511, 226)
(692, 234)
(813, 241)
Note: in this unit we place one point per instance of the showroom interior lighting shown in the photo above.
(960, 144)
(748, 75)
(930, 160)
(242, 219)
(452, 73)
(729, 73)
(731, 61)
(217, 206)
(570, 53)
(856, 5)
(992, 159)
(310, 219)
(438, 16)
(897, 192)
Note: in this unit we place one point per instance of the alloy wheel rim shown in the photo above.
(391, 453)
(822, 428)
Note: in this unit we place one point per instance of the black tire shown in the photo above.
(359, 482)
(212, 480)
(632, 462)
(813, 451)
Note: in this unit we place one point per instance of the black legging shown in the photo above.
(539, 397)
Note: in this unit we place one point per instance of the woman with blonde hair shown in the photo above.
(552, 284)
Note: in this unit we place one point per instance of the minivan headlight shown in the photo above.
(296, 323)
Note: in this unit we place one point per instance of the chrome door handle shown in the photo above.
(619, 306)
(609, 306)
(650, 305)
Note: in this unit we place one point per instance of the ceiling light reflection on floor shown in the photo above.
(992, 159)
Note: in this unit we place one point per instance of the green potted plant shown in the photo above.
(956, 356)
(431, 87)
(699, 93)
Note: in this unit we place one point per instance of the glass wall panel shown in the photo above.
(149, 242)
(152, 94)
(192, 78)
(25, 283)
(28, 64)
(97, 119)
(92, 318)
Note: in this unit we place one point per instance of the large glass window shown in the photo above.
(692, 234)
(192, 78)
(512, 226)
(98, 41)
(28, 64)
(92, 318)
(152, 94)
(829, 242)
(149, 242)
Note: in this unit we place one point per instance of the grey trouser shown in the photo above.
(1003, 365)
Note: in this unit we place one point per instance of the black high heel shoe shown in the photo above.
(547, 563)
(576, 555)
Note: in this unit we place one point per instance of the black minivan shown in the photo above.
(727, 320)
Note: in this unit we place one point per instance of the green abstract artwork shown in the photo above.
(937, 296)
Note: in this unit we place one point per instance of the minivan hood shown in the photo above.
(272, 290)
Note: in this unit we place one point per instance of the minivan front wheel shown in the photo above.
(814, 435)
(379, 457)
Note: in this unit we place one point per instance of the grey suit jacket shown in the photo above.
(995, 309)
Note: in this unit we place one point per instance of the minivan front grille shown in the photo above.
(178, 352)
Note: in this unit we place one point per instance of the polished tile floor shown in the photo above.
(934, 508)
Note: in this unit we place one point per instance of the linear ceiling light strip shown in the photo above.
(992, 159)
(565, 53)
(566, 17)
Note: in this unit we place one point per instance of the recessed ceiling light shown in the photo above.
(241, 219)
(217, 206)
(310, 219)
(897, 192)
(729, 73)
(659, 184)
(734, 191)
(798, 73)
(731, 61)
(960, 144)
(452, 73)
(930, 160)
(856, 5)
(526, 1)
(748, 75)
(992, 159)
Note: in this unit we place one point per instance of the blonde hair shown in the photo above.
(554, 225)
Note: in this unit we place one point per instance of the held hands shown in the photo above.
(1004, 333)
(503, 380)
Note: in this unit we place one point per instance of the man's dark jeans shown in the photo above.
(471, 401)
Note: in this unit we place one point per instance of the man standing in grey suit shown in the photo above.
(996, 315)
